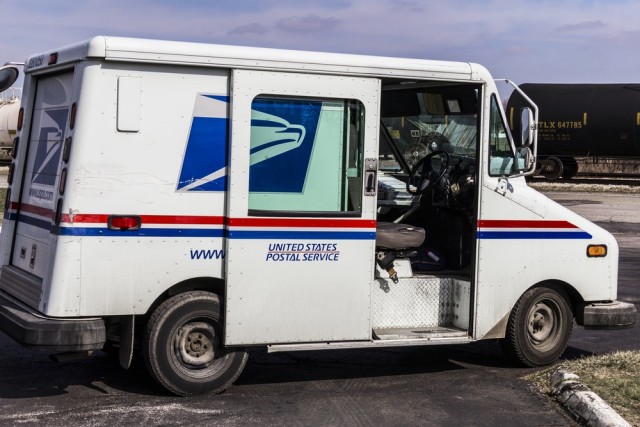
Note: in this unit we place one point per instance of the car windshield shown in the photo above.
(421, 120)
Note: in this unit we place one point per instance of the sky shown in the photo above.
(548, 41)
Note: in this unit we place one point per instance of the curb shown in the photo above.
(584, 404)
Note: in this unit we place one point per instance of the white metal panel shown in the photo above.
(532, 248)
(129, 104)
(211, 55)
(104, 272)
(62, 296)
(131, 49)
(296, 300)
(138, 170)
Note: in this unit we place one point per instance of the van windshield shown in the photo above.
(421, 120)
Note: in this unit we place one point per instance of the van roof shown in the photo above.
(214, 55)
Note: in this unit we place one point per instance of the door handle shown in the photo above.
(370, 175)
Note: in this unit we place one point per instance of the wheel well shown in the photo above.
(209, 284)
(574, 296)
(574, 300)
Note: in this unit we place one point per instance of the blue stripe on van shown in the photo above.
(564, 235)
(302, 234)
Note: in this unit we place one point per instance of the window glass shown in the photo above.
(306, 156)
(420, 120)
(500, 152)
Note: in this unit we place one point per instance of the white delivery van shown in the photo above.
(188, 201)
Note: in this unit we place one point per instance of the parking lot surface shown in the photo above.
(441, 385)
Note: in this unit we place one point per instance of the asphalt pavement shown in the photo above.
(442, 385)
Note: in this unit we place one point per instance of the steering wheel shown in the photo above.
(428, 177)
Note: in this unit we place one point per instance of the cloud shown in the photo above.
(253, 28)
(410, 5)
(526, 40)
(307, 24)
(586, 25)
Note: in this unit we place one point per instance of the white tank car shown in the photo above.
(8, 122)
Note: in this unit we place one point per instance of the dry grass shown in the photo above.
(615, 377)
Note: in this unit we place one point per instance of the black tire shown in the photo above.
(552, 168)
(539, 327)
(570, 168)
(182, 346)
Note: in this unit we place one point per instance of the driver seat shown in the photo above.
(394, 236)
(392, 239)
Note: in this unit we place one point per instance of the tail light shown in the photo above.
(124, 222)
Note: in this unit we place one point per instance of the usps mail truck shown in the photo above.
(186, 202)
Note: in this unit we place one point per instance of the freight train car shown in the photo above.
(586, 128)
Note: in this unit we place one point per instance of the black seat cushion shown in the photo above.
(390, 235)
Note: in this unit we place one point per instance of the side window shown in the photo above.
(306, 157)
(500, 152)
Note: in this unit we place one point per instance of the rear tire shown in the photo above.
(182, 346)
(539, 327)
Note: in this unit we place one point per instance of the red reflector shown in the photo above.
(72, 117)
(53, 58)
(124, 223)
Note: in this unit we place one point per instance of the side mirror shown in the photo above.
(526, 127)
(8, 76)
(524, 159)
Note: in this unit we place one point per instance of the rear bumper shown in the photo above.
(607, 315)
(53, 334)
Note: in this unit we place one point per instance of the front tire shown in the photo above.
(182, 346)
(539, 327)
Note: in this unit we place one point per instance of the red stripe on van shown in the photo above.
(514, 223)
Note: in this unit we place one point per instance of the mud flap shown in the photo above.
(125, 355)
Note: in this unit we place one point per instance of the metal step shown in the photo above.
(418, 333)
